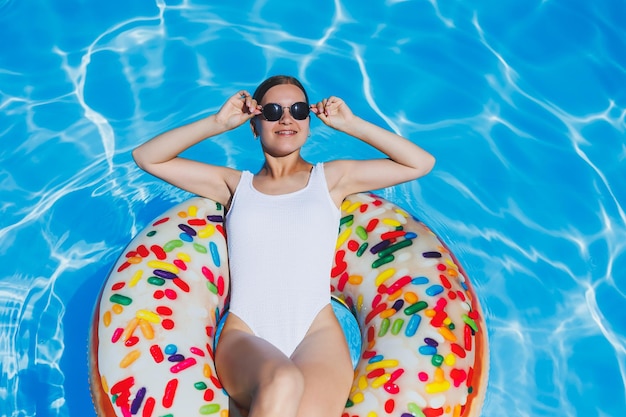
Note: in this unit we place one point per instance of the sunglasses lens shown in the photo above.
(299, 110)
(272, 112)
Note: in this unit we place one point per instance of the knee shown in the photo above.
(284, 382)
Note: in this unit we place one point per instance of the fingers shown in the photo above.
(249, 105)
(327, 107)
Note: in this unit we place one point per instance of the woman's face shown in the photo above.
(287, 134)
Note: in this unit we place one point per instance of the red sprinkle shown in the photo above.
(445, 282)
(343, 279)
(220, 228)
(148, 408)
(182, 365)
(167, 324)
(423, 376)
(171, 294)
(123, 266)
(353, 245)
(132, 341)
(376, 311)
(157, 353)
(160, 221)
(467, 337)
(391, 388)
(143, 251)
(371, 225)
(123, 385)
(458, 376)
(220, 285)
(441, 267)
(170, 393)
(216, 382)
(376, 373)
(158, 294)
(209, 395)
(180, 263)
(452, 295)
(117, 334)
(399, 284)
(340, 264)
(370, 333)
(390, 404)
(164, 310)
(197, 222)
(432, 412)
(118, 286)
(363, 208)
(196, 351)
(181, 284)
(392, 235)
(457, 350)
(158, 252)
(208, 274)
(369, 353)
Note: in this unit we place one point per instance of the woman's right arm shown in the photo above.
(160, 155)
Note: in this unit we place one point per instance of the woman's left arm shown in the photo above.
(406, 161)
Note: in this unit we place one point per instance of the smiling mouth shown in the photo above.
(286, 132)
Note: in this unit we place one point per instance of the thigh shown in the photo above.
(243, 361)
(323, 357)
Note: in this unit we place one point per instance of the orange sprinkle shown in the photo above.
(117, 308)
(130, 358)
(106, 319)
(410, 297)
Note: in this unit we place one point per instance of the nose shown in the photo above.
(286, 114)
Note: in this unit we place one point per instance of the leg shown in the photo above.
(257, 376)
(324, 359)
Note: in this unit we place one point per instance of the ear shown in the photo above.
(253, 127)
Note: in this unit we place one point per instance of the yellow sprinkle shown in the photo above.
(353, 207)
(410, 297)
(392, 222)
(395, 295)
(343, 237)
(437, 387)
(117, 308)
(130, 328)
(106, 319)
(372, 414)
(206, 231)
(182, 214)
(384, 276)
(362, 382)
(105, 385)
(447, 334)
(359, 303)
(224, 413)
(148, 316)
(378, 382)
(457, 411)
(184, 257)
(345, 205)
(164, 265)
(135, 279)
(130, 358)
(146, 329)
(134, 259)
(450, 359)
(453, 272)
(193, 211)
(206, 371)
(447, 321)
(355, 279)
(402, 213)
(358, 398)
(387, 313)
(385, 363)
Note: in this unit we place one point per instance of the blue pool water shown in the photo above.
(523, 103)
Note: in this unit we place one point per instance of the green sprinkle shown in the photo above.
(384, 326)
(156, 281)
(362, 248)
(209, 409)
(397, 326)
(151, 233)
(470, 322)
(451, 326)
(199, 248)
(361, 232)
(172, 244)
(200, 386)
(437, 360)
(218, 206)
(347, 220)
(120, 299)
(382, 261)
(415, 410)
(396, 246)
(414, 308)
(211, 287)
(349, 403)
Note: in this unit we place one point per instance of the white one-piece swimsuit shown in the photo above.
(280, 250)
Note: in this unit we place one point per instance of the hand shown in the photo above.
(240, 108)
(334, 112)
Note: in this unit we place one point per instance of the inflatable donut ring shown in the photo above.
(424, 346)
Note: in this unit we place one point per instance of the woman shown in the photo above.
(282, 351)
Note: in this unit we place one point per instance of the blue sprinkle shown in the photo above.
(414, 323)
(214, 253)
(427, 350)
(170, 349)
(419, 280)
(464, 285)
(376, 358)
(410, 235)
(434, 290)
(185, 237)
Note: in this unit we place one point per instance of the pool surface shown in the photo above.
(523, 103)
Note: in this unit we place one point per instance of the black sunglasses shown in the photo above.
(273, 112)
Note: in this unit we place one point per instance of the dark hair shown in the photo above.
(275, 80)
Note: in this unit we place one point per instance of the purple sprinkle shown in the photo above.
(431, 254)
(380, 246)
(136, 404)
(215, 218)
(187, 229)
(398, 305)
(177, 357)
(430, 342)
(164, 274)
